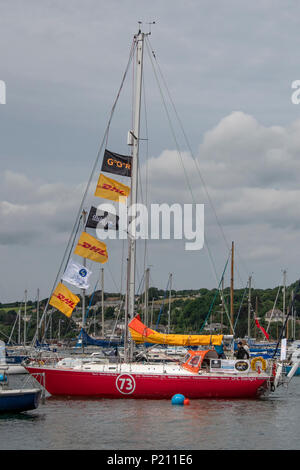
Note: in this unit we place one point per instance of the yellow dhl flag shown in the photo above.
(90, 247)
(111, 189)
(64, 300)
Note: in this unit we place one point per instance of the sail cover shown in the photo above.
(88, 340)
(140, 333)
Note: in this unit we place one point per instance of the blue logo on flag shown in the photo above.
(83, 272)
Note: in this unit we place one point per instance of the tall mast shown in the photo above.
(25, 317)
(83, 290)
(249, 306)
(256, 308)
(283, 301)
(146, 300)
(232, 286)
(139, 39)
(222, 305)
(292, 319)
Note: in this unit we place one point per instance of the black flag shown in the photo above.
(116, 164)
(102, 219)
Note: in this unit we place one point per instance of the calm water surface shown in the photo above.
(61, 424)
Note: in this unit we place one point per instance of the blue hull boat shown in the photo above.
(19, 400)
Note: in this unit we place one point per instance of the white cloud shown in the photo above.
(35, 211)
(235, 159)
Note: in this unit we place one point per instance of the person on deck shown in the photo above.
(241, 352)
(245, 346)
(220, 351)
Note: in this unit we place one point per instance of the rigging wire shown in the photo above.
(179, 152)
(240, 308)
(177, 147)
(274, 305)
(18, 317)
(162, 305)
(47, 323)
(133, 46)
(215, 296)
(192, 154)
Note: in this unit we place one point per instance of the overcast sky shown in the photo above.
(229, 66)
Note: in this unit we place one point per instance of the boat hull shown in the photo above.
(19, 400)
(61, 382)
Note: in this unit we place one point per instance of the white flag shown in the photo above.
(77, 274)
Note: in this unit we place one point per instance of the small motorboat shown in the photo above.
(17, 399)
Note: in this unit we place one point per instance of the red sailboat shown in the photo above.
(200, 375)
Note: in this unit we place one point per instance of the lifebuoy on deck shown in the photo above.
(258, 359)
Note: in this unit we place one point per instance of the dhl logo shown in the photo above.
(64, 299)
(93, 248)
(109, 187)
(118, 163)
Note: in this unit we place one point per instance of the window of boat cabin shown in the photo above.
(186, 357)
(194, 361)
(205, 363)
